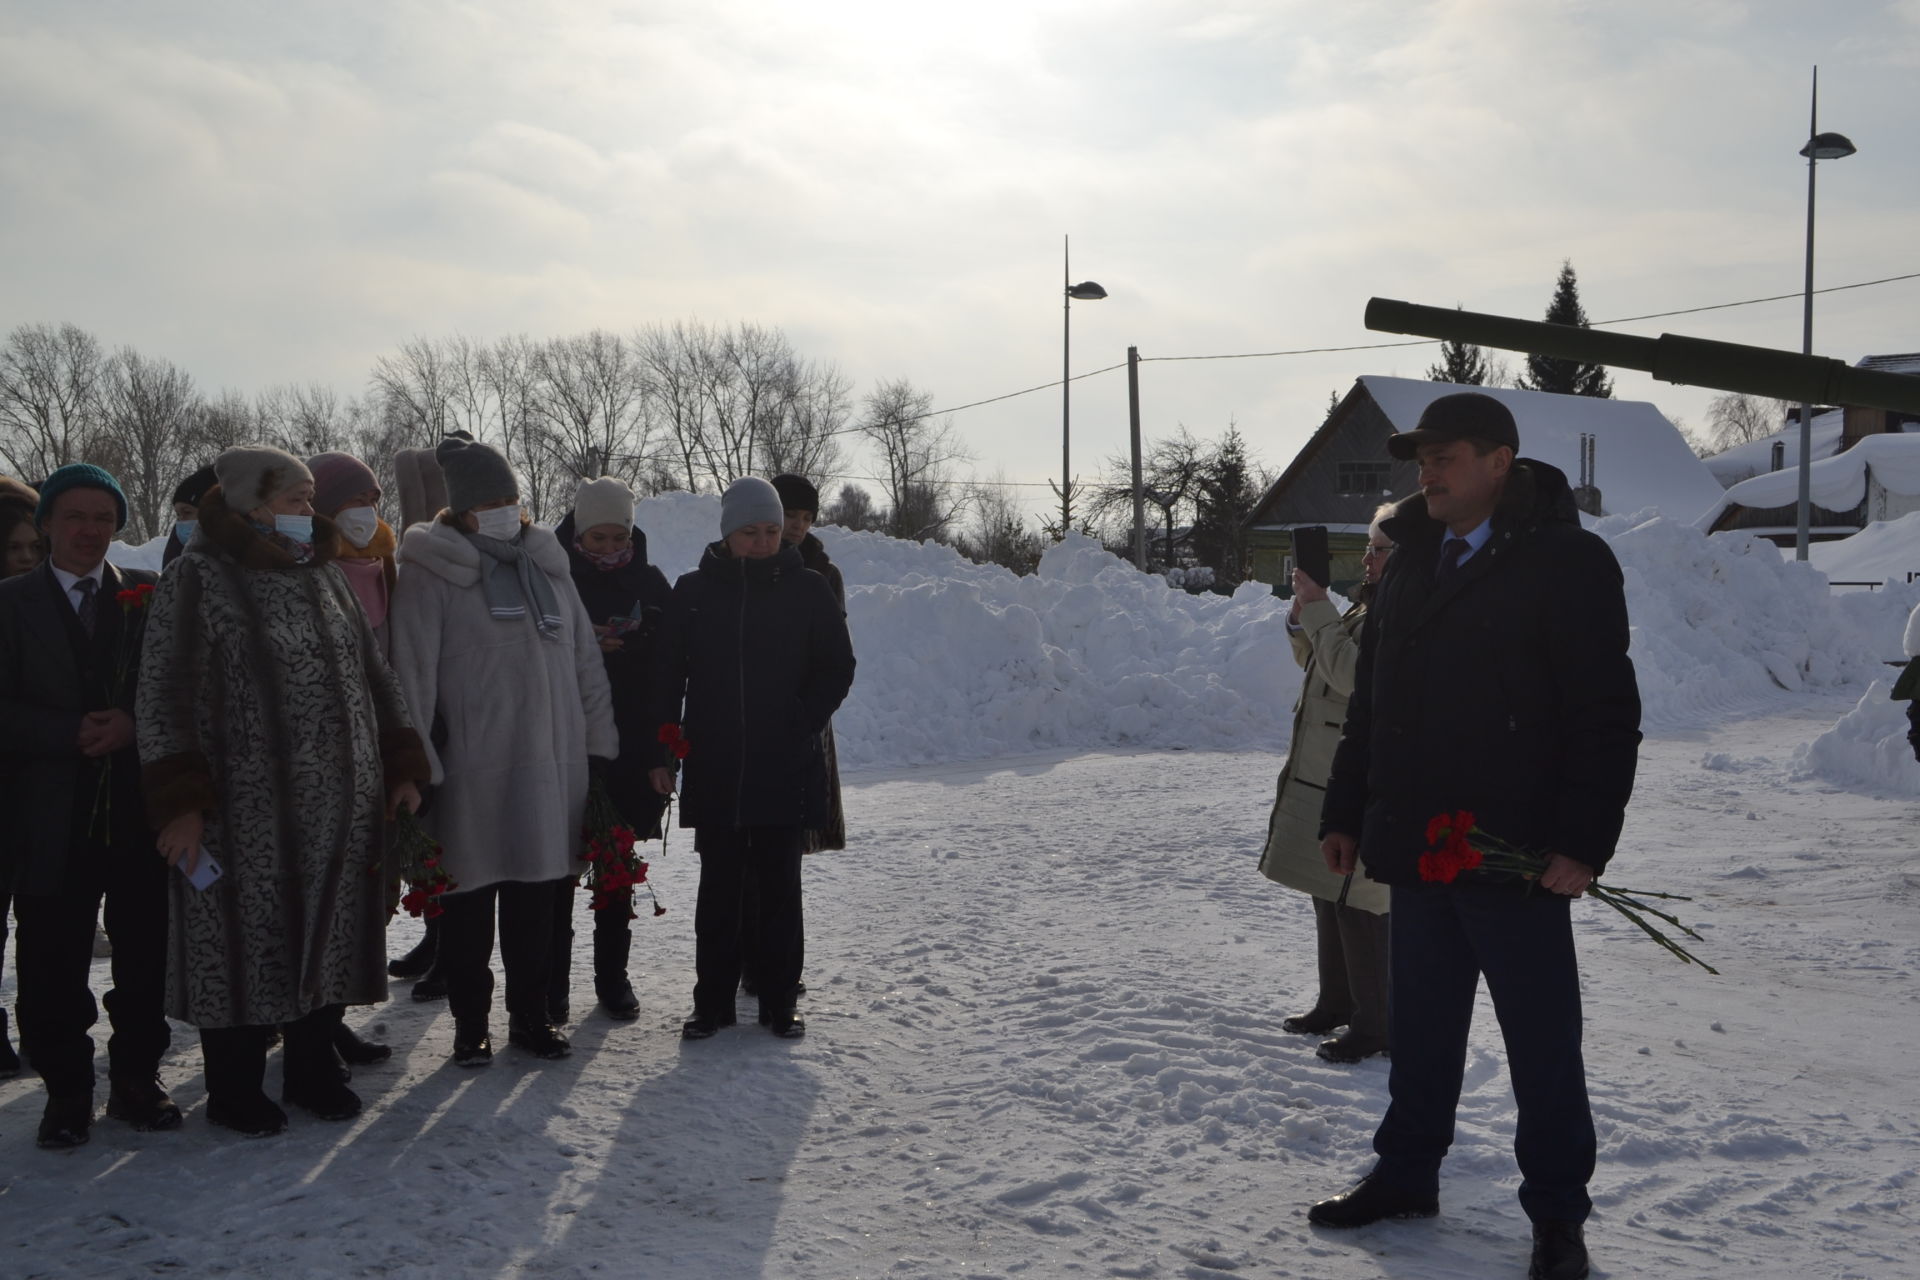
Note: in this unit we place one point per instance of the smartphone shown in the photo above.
(204, 872)
(1311, 554)
(618, 626)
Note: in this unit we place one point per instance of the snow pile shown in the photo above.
(1884, 551)
(1867, 747)
(142, 555)
(1722, 623)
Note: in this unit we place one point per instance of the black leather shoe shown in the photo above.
(472, 1046)
(789, 1027)
(1559, 1252)
(702, 1025)
(251, 1116)
(415, 963)
(540, 1039)
(67, 1121)
(431, 987)
(1316, 1022)
(144, 1104)
(1350, 1048)
(325, 1097)
(1371, 1201)
(356, 1052)
(617, 998)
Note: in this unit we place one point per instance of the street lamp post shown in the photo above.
(1086, 291)
(1820, 146)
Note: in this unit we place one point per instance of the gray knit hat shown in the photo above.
(476, 474)
(253, 475)
(602, 501)
(750, 500)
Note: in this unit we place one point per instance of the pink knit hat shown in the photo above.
(337, 477)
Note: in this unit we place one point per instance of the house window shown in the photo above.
(1364, 477)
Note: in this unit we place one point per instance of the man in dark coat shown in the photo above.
(70, 633)
(1493, 678)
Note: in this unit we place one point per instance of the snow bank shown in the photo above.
(1884, 551)
(962, 661)
(1867, 748)
(141, 555)
(1722, 623)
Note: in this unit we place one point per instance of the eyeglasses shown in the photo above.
(1373, 551)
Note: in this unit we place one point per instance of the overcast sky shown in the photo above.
(274, 192)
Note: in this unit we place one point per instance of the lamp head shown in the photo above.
(1828, 146)
(1086, 291)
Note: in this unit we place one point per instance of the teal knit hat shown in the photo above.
(78, 475)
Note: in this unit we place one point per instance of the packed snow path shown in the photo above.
(1044, 1041)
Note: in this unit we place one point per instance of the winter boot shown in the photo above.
(612, 944)
(356, 1052)
(540, 1039)
(704, 1024)
(236, 1063)
(417, 962)
(312, 1068)
(1315, 1022)
(472, 1046)
(66, 1122)
(144, 1104)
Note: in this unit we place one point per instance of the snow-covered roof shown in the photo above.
(1907, 362)
(1641, 460)
(1837, 483)
(1884, 549)
(1756, 456)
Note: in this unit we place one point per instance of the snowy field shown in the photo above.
(1043, 1041)
(1047, 981)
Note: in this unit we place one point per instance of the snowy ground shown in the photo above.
(1044, 1042)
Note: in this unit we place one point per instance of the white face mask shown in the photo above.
(499, 522)
(299, 528)
(357, 524)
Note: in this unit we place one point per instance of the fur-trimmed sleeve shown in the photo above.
(174, 771)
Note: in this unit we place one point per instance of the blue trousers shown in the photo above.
(1443, 937)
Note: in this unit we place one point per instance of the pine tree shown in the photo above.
(1230, 488)
(1461, 362)
(1567, 377)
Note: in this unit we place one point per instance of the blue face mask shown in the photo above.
(298, 528)
(183, 530)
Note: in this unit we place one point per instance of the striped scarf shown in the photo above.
(513, 582)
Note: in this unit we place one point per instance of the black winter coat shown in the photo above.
(635, 590)
(752, 663)
(1506, 691)
(51, 675)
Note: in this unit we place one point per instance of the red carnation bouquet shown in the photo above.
(614, 867)
(417, 857)
(1458, 845)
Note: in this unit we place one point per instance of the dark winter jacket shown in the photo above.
(51, 675)
(636, 590)
(753, 661)
(831, 834)
(1506, 691)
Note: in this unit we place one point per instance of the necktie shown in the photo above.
(1450, 552)
(89, 606)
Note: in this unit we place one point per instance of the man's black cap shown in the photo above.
(1464, 415)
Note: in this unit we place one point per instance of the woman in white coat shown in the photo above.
(495, 651)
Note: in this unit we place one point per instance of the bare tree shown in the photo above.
(918, 456)
(1737, 418)
(1171, 470)
(593, 401)
(221, 423)
(149, 407)
(671, 359)
(418, 387)
(998, 531)
(805, 440)
(852, 509)
(49, 396)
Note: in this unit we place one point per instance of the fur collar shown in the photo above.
(445, 552)
(229, 533)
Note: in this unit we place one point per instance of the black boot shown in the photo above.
(541, 1039)
(356, 1052)
(433, 986)
(472, 1045)
(417, 962)
(1559, 1252)
(67, 1121)
(701, 1025)
(312, 1069)
(1315, 1022)
(1370, 1201)
(236, 1062)
(143, 1103)
(612, 944)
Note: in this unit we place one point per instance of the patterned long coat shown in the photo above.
(264, 703)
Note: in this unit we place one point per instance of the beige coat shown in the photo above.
(1328, 646)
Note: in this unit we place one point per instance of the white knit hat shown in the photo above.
(602, 501)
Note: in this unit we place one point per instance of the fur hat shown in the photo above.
(602, 501)
(476, 474)
(423, 489)
(15, 493)
(750, 500)
(253, 475)
(78, 475)
(336, 478)
(797, 494)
